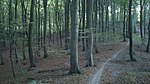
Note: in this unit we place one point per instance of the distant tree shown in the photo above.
(67, 3)
(74, 66)
(10, 35)
(95, 26)
(83, 24)
(148, 44)
(14, 33)
(45, 27)
(1, 57)
(114, 16)
(24, 27)
(124, 23)
(141, 18)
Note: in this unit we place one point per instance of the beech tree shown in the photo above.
(11, 36)
(74, 66)
(130, 32)
(89, 28)
(45, 26)
(32, 62)
(148, 43)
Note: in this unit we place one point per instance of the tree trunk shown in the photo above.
(114, 16)
(14, 37)
(74, 66)
(95, 26)
(83, 25)
(124, 24)
(56, 20)
(130, 32)
(45, 27)
(102, 6)
(89, 48)
(148, 44)
(1, 57)
(23, 25)
(10, 36)
(134, 16)
(144, 6)
(67, 3)
(50, 28)
(141, 19)
(32, 62)
(107, 16)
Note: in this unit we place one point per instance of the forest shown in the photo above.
(74, 41)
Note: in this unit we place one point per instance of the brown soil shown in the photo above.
(55, 68)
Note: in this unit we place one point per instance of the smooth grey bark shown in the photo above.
(83, 25)
(141, 19)
(148, 44)
(113, 16)
(14, 33)
(50, 29)
(89, 48)
(1, 56)
(130, 32)
(124, 24)
(74, 66)
(60, 27)
(107, 16)
(39, 28)
(67, 3)
(45, 28)
(102, 7)
(56, 21)
(24, 27)
(32, 61)
(95, 26)
(144, 7)
(99, 22)
(11, 36)
(134, 16)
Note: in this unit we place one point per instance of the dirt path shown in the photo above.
(98, 75)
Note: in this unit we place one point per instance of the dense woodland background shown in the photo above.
(29, 29)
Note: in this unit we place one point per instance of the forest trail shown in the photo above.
(96, 78)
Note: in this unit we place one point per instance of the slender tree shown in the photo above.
(95, 26)
(14, 33)
(130, 32)
(10, 36)
(83, 24)
(124, 29)
(1, 57)
(45, 27)
(24, 27)
(148, 44)
(50, 28)
(141, 19)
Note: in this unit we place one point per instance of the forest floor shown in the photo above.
(55, 68)
(122, 71)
